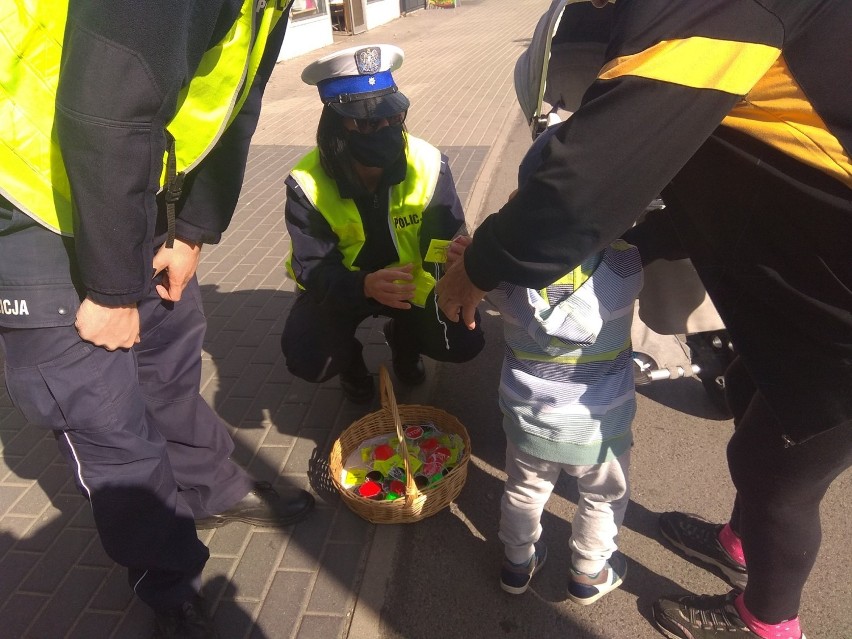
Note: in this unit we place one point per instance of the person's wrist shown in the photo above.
(193, 244)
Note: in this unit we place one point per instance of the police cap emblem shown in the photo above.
(368, 60)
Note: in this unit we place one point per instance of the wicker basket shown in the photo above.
(416, 504)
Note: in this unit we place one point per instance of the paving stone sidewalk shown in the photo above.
(303, 582)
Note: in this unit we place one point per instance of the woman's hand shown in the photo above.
(457, 296)
(455, 251)
(392, 287)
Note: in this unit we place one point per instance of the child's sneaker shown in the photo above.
(515, 578)
(586, 589)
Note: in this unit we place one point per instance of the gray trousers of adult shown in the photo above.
(144, 447)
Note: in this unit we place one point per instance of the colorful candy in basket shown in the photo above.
(376, 470)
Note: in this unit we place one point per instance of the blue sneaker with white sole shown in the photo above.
(515, 578)
(586, 589)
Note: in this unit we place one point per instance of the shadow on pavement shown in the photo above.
(55, 578)
(445, 580)
(685, 395)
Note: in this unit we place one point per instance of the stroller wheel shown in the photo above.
(712, 353)
(715, 389)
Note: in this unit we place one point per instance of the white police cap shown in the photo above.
(357, 82)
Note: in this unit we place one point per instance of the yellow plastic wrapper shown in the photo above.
(354, 476)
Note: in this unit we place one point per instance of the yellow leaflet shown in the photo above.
(437, 251)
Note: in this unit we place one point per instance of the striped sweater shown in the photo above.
(566, 389)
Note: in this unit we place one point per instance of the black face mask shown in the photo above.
(379, 149)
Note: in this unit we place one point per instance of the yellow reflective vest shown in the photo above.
(32, 175)
(408, 200)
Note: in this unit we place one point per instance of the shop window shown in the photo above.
(303, 9)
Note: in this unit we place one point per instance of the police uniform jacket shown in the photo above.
(124, 64)
(317, 263)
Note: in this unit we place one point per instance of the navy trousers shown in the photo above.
(145, 449)
(319, 339)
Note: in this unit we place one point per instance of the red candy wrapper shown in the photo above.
(431, 468)
(429, 445)
(413, 432)
(370, 490)
(383, 452)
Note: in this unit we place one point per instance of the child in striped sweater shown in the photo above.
(568, 400)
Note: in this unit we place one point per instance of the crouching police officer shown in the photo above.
(370, 212)
(102, 114)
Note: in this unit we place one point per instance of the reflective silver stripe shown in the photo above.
(79, 470)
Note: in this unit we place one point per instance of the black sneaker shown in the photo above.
(188, 621)
(264, 506)
(586, 589)
(356, 382)
(516, 579)
(695, 537)
(408, 367)
(702, 617)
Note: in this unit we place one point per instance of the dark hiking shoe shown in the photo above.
(702, 617)
(699, 539)
(514, 578)
(188, 621)
(264, 506)
(407, 366)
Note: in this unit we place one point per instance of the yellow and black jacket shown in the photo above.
(677, 71)
(718, 105)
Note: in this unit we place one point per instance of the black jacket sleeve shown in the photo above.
(214, 186)
(628, 139)
(124, 63)
(656, 237)
(316, 261)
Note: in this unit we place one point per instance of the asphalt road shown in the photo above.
(443, 578)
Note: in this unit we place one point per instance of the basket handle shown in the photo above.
(389, 404)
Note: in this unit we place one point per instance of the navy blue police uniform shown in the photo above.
(145, 449)
(330, 267)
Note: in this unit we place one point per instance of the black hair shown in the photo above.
(335, 157)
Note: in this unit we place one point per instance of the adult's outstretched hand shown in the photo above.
(457, 296)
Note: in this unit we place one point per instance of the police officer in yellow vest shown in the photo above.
(370, 212)
(126, 127)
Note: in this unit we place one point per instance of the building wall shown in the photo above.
(306, 35)
(381, 12)
(310, 34)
